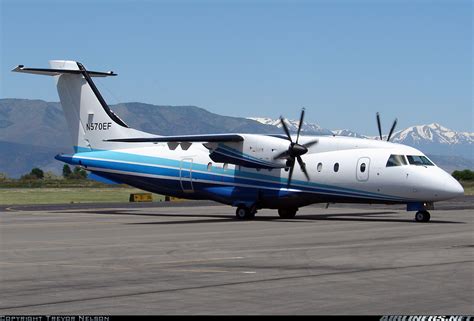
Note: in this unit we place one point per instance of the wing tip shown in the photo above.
(18, 68)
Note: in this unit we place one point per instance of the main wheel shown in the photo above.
(287, 212)
(244, 213)
(422, 216)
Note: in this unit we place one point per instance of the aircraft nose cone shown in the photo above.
(453, 188)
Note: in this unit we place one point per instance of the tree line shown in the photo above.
(36, 173)
(465, 175)
(80, 173)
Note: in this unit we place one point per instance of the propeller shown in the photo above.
(380, 127)
(295, 150)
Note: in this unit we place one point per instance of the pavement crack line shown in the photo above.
(294, 277)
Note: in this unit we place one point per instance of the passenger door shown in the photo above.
(186, 175)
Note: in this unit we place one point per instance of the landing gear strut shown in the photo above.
(245, 213)
(287, 212)
(422, 216)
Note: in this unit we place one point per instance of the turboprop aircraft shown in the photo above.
(247, 171)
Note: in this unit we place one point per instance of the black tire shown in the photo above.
(287, 212)
(422, 216)
(427, 217)
(244, 213)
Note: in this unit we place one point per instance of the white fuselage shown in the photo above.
(362, 174)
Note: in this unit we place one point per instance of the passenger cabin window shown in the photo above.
(396, 160)
(419, 160)
(320, 167)
(336, 167)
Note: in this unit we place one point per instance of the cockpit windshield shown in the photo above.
(396, 160)
(419, 160)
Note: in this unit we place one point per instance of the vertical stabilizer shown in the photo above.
(89, 118)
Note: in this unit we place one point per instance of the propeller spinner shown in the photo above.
(295, 150)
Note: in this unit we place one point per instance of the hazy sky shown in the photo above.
(342, 60)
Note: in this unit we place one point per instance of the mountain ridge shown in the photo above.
(430, 138)
(33, 131)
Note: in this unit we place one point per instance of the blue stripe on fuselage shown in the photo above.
(159, 166)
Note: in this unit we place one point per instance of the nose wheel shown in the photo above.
(422, 216)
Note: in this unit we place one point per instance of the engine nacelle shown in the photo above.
(253, 152)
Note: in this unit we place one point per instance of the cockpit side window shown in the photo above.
(419, 160)
(396, 160)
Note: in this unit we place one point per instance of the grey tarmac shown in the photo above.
(196, 258)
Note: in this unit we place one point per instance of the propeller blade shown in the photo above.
(282, 120)
(303, 167)
(392, 129)
(379, 126)
(300, 125)
(290, 174)
(311, 143)
(284, 154)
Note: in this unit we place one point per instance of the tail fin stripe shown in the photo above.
(109, 112)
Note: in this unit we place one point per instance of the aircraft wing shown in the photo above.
(237, 149)
(206, 138)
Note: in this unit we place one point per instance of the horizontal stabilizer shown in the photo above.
(57, 72)
(218, 138)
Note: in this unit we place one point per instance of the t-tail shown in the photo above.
(91, 122)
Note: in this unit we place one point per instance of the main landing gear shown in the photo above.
(245, 213)
(422, 216)
(287, 212)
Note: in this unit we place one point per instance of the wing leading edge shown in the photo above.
(207, 138)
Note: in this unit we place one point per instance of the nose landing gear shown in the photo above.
(422, 216)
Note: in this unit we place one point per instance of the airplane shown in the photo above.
(247, 171)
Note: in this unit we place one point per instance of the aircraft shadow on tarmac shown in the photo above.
(217, 218)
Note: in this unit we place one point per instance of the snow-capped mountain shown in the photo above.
(419, 134)
(348, 133)
(308, 128)
(434, 133)
(431, 139)
(436, 139)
